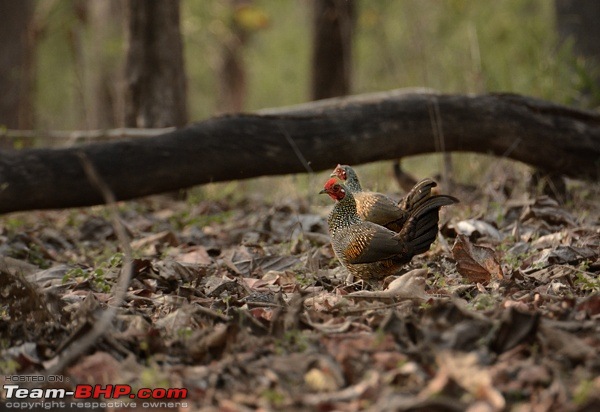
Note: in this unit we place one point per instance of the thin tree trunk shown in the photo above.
(155, 74)
(332, 48)
(16, 64)
(107, 103)
(578, 20)
(232, 70)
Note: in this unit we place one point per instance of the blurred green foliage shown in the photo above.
(454, 46)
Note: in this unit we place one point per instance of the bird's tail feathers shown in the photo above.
(421, 228)
(417, 195)
(432, 203)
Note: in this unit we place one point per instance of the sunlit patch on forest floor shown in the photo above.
(244, 304)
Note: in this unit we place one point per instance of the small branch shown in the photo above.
(104, 323)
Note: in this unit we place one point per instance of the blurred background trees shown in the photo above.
(333, 34)
(247, 55)
(577, 24)
(86, 64)
(17, 64)
(155, 92)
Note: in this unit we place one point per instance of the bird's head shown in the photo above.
(348, 176)
(341, 172)
(334, 189)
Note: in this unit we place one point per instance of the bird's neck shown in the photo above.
(353, 185)
(344, 214)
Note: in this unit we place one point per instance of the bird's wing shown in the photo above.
(378, 208)
(368, 243)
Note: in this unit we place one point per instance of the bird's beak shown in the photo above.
(333, 175)
(322, 191)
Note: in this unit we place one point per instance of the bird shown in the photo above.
(370, 251)
(381, 209)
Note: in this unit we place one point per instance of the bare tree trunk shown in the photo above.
(107, 104)
(332, 48)
(232, 71)
(155, 73)
(579, 20)
(352, 130)
(16, 64)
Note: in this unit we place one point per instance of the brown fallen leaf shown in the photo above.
(566, 344)
(410, 285)
(195, 254)
(16, 266)
(281, 278)
(466, 371)
(150, 245)
(590, 305)
(210, 339)
(370, 381)
(476, 263)
(516, 328)
(326, 301)
(479, 227)
(98, 368)
(548, 210)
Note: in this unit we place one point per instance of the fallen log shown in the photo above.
(309, 137)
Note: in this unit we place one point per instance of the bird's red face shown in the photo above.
(334, 189)
(340, 172)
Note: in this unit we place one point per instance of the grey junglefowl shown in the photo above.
(370, 251)
(379, 208)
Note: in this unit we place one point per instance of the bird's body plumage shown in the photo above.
(381, 209)
(372, 251)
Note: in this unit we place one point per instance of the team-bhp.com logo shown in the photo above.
(95, 396)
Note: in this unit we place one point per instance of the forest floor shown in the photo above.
(243, 304)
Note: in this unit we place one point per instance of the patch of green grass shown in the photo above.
(184, 218)
(291, 341)
(438, 280)
(152, 377)
(483, 301)
(513, 261)
(14, 223)
(273, 397)
(97, 276)
(8, 367)
(304, 279)
(37, 256)
(185, 332)
(583, 391)
(585, 281)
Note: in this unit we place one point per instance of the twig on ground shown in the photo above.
(79, 347)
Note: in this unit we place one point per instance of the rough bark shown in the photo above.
(16, 64)
(332, 48)
(155, 76)
(232, 69)
(107, 105)
(578, 19)
(353, 130)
